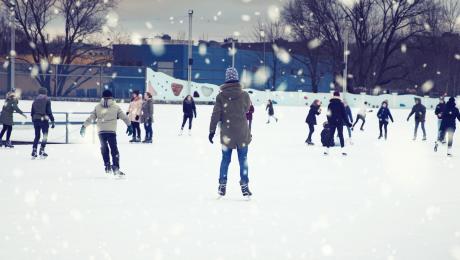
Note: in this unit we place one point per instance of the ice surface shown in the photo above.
(386, 200)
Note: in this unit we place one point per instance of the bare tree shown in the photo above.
(451, 14)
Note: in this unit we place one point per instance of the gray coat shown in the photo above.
(106, 114)
(230, 110)
(147, 111)
(10, 106)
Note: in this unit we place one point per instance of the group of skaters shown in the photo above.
(339, 115)
(140, 111)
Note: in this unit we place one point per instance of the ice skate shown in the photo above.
(8, 144)
(449, 152)
(108, 169)
(189, 132)
(222, 190)
(436, 144)
(1, 144)
(117, 172)
(246, 192)
(326, 152)
(424, 138)
(42, 154)
(344, 153)
(181, 132)
(34, 154)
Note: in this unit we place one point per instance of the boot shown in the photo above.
(245, 190)
(117, 172)
(108, 169)
(34, 153)
(190, 132)
(1, 143)
(436, 144)
(8, 144)
(42, 153)
(181, 132)
(222, 189)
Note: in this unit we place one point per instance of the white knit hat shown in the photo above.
(231, 75)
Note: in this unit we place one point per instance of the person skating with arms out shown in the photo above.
(361, 116)
(384, 116)
(6, 118)
(230, 109)
(448, 125)
(41, 116)
(106, 115)
(420, 112)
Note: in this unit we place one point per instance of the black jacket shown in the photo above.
(327, 139)
(337, 115)
(420, 111)
(384, 114)
(449, 115)
(439, 109)
(311, 117)
(189, 108)
(270, 109)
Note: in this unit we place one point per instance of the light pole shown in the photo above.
(190, 57)
(233, 52)
(345, 61)
(13, 47)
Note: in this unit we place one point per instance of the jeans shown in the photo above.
(41, 126)
(349, 131)
(417, 123)
(136, 130)
(184, 120)
(383, 124)
(148, 130)
(450, 136)
(250, 124)
(109, 146)
(440, 137)
(225, 163)
(360, 117)
(311, 128)
(339, 129)
(8, 129)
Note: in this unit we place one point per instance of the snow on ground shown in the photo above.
(387, 200)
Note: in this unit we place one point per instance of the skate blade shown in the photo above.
(247, 198)
(33, 158)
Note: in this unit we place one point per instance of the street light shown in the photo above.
(190, 57)
(11, 6)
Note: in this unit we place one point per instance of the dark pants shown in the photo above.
(449, 133)
(136, 129)
(190, 119)
(8, 129)
(360, 117)
(225, 163)
(41, 126)
(109, 146)
(383, 124)
(311, 128)
(422, 124)
(250, 124)
(339, 129)
(148, 130)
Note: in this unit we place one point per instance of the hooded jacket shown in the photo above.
(135, 109)
(189, 108)
(10, 106)
(337, 115)
(420, 111)
(439, 109)
(41, 109)
(106, 114)
(147, 111)
(230, 109)
(450, 114)
(312, 113)
(384, 115)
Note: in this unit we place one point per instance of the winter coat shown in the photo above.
(362, 111)
(420, 111)
(337, 115)
(106, 114)
(10, 106)
(449, 115)
(384, 115)
(312, 113)
(135, 109)
(439, 109)
(41, 109)
(349, 114)
(189, 108)
(270, 109)
(230, 109)
(147, 111)
(250, 113)
(326, 139)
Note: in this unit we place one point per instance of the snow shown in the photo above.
(386, 200)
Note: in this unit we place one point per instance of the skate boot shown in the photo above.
(8, 144)
(108, 169)
(42, 153)
(326, 152)
(181, 132)
(380, 137)
(310, 143)
(222, 190)
(424, 138)
(436, 144)
(245, 190)
(34, 153)
(117, 172)
(344, 153)
(449, 152)
(1, 143)
(190, 132)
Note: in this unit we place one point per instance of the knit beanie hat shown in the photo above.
(42, 91)
(336, 94)
(107, 94)
(231, 75)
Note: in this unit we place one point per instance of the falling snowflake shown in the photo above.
(274, 13)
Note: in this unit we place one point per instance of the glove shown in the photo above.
(129, 131)
(127, 113)
(82, 131)
(211, 136)
(52, 124)
(137, 118)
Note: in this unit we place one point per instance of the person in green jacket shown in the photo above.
(6, 118)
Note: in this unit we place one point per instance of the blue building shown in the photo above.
(211, 59)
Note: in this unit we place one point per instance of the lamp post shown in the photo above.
(345, 61)
(12, 55)
(190, 57)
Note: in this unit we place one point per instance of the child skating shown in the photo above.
(6, 118)
(419, 111)
(271, 111)
(41, 116)
(384, 116)
(315, 110)
(189, 110)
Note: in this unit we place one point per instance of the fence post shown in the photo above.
(67, 128)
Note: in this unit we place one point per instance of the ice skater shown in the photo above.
(271, 111)
(147, 117)
(384, 116)
(337, 118)
(41, 115)
(6, 118)
(134, 114)
(361, 117)
(230, 109)
(189, 110)
(448, 125)
(315, 110)
(249, 116)
(326, 139)
(106, 114)
(438, 112)
(420, 112)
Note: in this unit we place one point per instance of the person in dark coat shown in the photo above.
(384, 116)
(315, 110)
(249, 116)
(6, 118)
(189, 109)
(326, 139)
(337, 118)
(448, 124)
(271, 111)
(419, 111)
(438, 112)
(41, 116)
(230, 109)
(147, 117)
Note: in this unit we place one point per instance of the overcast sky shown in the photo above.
(170, 16)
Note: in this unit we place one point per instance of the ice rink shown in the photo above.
(388, 200)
